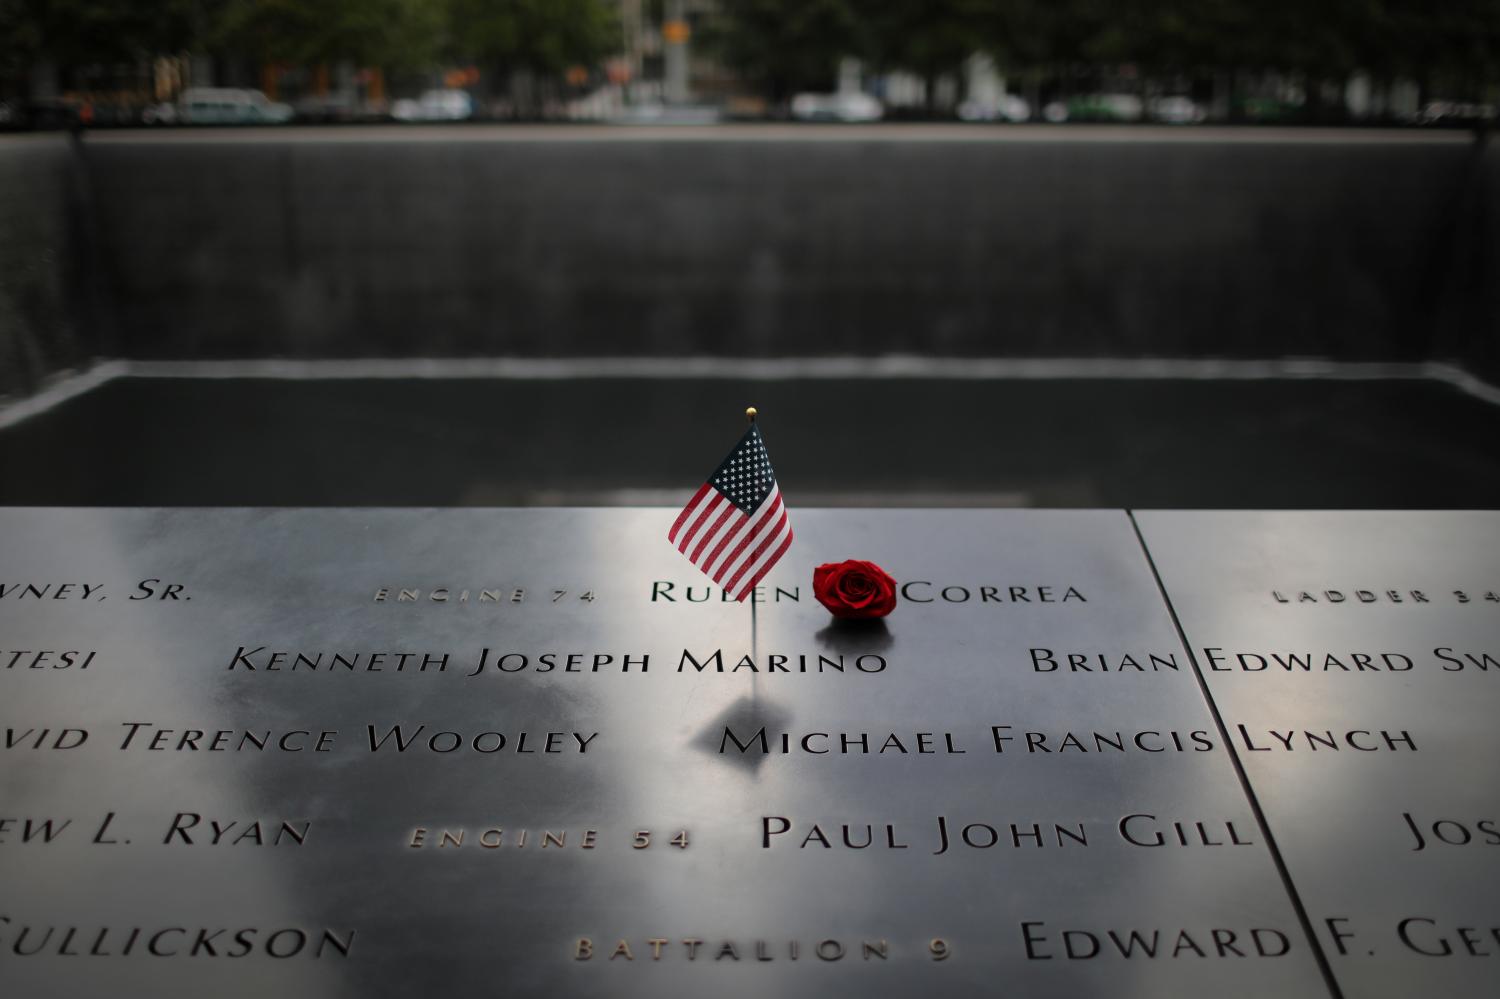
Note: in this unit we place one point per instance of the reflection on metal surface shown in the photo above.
(746, 715)
(961, 817)
(1352, 657)
(856, 635)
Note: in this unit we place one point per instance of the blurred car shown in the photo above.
(164, 113)
(1008, 107)
(836, 107)
(1096, 107)
(1175, 110)
(1455, 113)
(325, 108)
(435, 105)
(43, 113)
(230, 106)
(747, 108)
(653, 113)
(1267, 109)
(339, 106)
(113, 112)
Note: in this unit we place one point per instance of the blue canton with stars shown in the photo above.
(746, 478)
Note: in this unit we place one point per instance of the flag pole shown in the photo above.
(750, 415)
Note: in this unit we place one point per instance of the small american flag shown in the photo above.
(735, 527)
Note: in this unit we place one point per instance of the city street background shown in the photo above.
(968, 252)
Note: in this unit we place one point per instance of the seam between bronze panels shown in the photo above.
(1239, 768)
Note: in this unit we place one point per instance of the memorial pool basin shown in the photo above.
(1394, 443)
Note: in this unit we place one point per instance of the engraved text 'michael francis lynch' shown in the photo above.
(999, 738)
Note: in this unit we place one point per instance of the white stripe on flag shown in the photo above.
(706, 510)
(727, 515)
(720, 540)
(734, 545)
(773, 555)
(742, 540)
(690, 510)
(682, 518)
(757, 544)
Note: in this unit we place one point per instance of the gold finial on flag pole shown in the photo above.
(750, 414)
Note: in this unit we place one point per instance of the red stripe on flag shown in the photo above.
(770, 563)
(729, 535)
(740, 555)
(762, 559)
(708, 535)
(708, 509)
(739, 534)
(755, 527)
(753, 559)
(750, 559)
(677, 524)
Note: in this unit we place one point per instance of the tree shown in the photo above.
(927, 37)
(91, 32)
(1453, 46)
(387, 33)
(784, 46)
(540, 36)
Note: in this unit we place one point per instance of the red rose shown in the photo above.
(854, 589)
